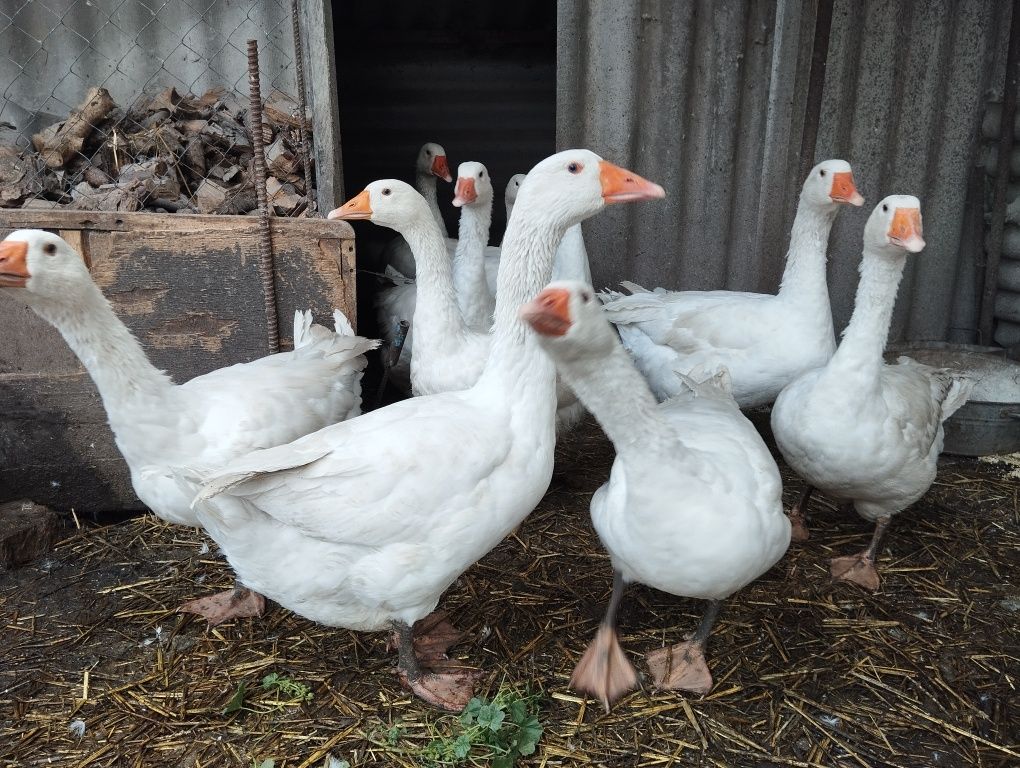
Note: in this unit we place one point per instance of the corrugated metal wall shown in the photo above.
(711, 100)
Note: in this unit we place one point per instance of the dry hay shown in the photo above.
(807, 673)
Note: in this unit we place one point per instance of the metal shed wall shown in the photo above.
(710, 99)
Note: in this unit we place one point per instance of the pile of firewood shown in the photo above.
(170, 152)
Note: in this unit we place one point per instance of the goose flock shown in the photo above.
(362, 521)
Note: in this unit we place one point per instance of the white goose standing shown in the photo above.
(446, 355)
(474, 197)
(457, 351)
(208, 420)
(763, 340)
(693, 505)
(365, 524)
(858, 429)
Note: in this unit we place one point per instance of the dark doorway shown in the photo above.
(477, 77)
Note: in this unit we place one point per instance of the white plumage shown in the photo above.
(858, 429)
(764, 341)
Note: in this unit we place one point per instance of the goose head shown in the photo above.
(568, 321)
(831, 181)
(895, 226)
(42, 265)
(474, 186)
(570, 186)
(388, 203)
(512, 187)
(432, 161)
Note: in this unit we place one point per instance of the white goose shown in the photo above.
(476, 304)
(858, 429)
(474, 197)
(693, 505)
(209, 420)
(763, 340)
(365, 524)
(446, 355)
(430, 165)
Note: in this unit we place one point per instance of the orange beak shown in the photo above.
(549, 312)
(13, 269)
(905, 230)
(465, 191)
(844, 190)
(440, 168)
(622, 186)
(358, 207)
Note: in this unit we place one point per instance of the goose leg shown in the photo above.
(236, 603)
(860, 568)
(798, 516)
(682, 667)
(604, 671)
(448, 690)
(433, 637)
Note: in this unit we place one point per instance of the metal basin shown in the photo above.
(989, 422)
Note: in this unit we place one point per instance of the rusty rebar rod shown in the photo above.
(305, 151)
(267, 271)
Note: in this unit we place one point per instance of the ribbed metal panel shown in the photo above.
(710, 100)
(904, 98)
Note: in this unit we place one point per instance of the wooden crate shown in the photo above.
(188, 287)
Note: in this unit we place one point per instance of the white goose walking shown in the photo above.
(208, 420)
(858, 429)
(365, 524)
(693, 505)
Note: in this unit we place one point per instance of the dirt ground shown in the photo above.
(807, 673)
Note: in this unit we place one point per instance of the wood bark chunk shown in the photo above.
(171, 151)
(108, 197)
(27, 531)
(282, 110)
(60, 142)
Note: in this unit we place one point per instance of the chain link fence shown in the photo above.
(127, 105)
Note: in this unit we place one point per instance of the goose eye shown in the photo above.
(49, 249)
(481, 174)
(428, 152)
(885, 209)
(821, 172)
(575, 168)
(387, 191)
(585, 296)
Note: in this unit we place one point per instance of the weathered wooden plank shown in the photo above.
(320, 74)
(227, 226)
(188, 288)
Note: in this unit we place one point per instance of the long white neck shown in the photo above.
(613, 390)
(425, 183)
(860, 351)
(437, 319)
(804, 275)
(469, 281)
(572, 257)
(110, 353)
(516, 363)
